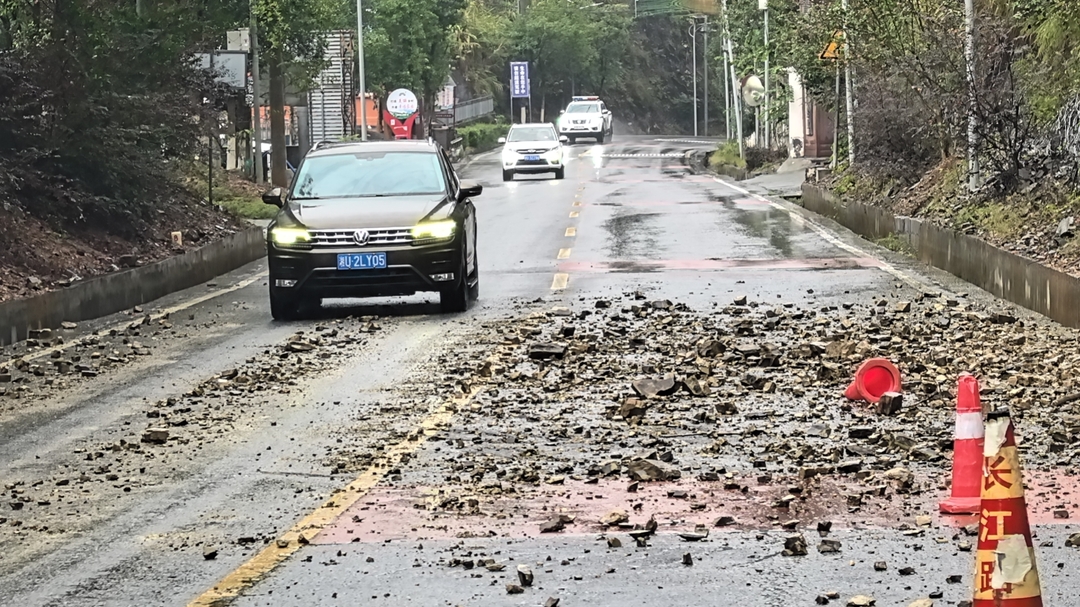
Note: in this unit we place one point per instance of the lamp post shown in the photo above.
(360, 65)
(764, 6)
(693, 52)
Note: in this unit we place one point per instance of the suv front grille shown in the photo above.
(340, 239)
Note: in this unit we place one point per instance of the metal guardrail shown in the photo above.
(474, 109)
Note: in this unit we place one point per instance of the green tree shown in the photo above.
(291, 35)
(410, 45)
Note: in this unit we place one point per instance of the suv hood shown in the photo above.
(379, 212)
(532, 146)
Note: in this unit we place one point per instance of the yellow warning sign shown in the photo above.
(835, 46)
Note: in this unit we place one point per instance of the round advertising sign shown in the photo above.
(402, 103)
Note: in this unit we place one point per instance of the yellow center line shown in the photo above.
(571, 232)
(573, 214)
(560, 281)
(155, 317)
(275, 553)
(564, 254)
(577, 203)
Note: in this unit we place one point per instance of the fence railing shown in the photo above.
(474, 109)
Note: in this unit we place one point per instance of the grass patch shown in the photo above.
(896, 244)
(998, 218)
(727, 155)
(247, 208)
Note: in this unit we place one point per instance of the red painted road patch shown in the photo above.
(655, 265)
(395, 513)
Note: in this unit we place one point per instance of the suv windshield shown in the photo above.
(365, 174)
(531, 133)
(583, 108)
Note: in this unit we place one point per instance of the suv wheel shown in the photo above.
(508, 175)
(560, 173)
(456, 298)
(283, 307)
(600, 138)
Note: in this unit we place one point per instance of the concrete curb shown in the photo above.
(1009, 276)
(112, 293)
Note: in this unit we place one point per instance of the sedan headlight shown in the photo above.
(290, 237)
(435, 230)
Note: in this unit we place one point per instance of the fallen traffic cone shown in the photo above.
(1005, 571)
(874, 378)
(967, 450)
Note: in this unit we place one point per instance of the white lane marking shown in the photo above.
(155, 317)
(833, 240)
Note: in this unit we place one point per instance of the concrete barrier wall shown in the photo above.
(112, 293)
(1004, 274)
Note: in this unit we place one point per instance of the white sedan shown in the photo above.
(532, 148)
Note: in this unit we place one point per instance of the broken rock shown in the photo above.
(525, 575)
(651, 470)
(156, 436)
(795, 545)
(861, 601)
(546, 351)
(890, 403)
(651, 388)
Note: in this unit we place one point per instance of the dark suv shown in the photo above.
(372, 219)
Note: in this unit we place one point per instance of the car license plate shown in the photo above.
(532, 158)
(361, 261)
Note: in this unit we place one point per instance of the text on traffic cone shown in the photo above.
(1005, 571)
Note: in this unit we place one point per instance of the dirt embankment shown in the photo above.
(1040, 222)
(38, 254)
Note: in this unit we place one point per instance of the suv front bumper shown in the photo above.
(298, 273)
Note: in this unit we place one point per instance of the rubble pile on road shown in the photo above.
(137, 456)
(651, 390)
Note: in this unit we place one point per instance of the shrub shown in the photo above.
(482, 136)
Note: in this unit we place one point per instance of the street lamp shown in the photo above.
(360, 65)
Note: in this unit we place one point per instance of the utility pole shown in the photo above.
(256, 101)
(360, 66)
(693, 52)
(972, 124)
(705, 60)
(764, 6)
(849, 88)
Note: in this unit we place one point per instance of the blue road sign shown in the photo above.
(519, 79)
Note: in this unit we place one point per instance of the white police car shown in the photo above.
(586, 117)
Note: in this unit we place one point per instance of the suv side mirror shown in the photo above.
(502, 139)
(275, 197)
(469, 189)
(564, 139)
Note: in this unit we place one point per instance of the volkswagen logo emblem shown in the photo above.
(361, 237)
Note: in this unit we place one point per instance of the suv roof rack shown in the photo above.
(586, 98)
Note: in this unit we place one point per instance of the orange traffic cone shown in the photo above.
(1005, 571)
(874, 378)
(967, 450)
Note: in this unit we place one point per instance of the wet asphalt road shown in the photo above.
(629, 216)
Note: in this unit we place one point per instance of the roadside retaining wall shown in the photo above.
(1001, 273)
(112, 293)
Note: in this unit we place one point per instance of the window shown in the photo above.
(532, 133)
(583, 108)
(809, 120)
(369, 174)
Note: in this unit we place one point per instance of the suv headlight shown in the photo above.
(291, 237)
(434, 231)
